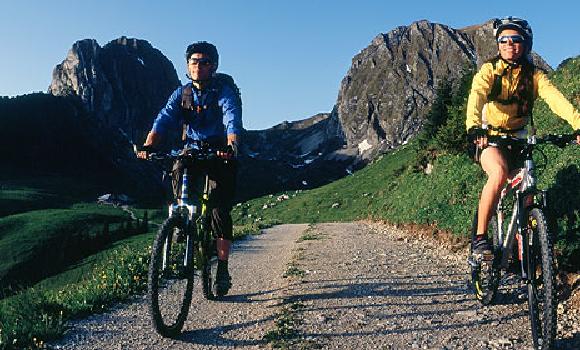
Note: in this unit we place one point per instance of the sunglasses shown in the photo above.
(516, 39)
(200, 61)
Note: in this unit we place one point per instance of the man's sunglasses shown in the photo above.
(200, 61)
(516, 39)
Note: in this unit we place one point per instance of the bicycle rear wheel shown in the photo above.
(484, 274)
(171, 273)
(542, 282)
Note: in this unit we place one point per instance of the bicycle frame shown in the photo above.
(184, 207)
(522, 187)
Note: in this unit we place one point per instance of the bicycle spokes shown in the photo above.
(170, 283)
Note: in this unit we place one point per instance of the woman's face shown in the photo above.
(511, 45)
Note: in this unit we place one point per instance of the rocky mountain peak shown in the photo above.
(391, 84)
(125, 83)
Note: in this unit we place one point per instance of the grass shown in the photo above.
(284, 335)
(39, 243)
(37, 314)
(309, 234)
(22, 192)
(294, 271)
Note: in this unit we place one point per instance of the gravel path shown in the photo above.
(374, 287)
(350, 286)
(239, 321)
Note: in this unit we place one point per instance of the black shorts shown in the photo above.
(511, 153)
(222, 185)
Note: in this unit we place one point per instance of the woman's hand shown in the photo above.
(481, 142)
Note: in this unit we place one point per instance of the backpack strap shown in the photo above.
(187, 107)
(187, 97)
(497, 85)
(524, 95)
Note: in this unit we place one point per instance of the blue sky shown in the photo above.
(288, 57)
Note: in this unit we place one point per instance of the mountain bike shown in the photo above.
(185, 242)
(521, 241)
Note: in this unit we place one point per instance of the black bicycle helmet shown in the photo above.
(521, 25)
(205, 48)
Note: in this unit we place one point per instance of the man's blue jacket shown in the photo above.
(217, 113)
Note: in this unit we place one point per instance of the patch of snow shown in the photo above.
(282, 197)
(408, 69)
(304, 183)
(308, 161)
(141, 61)
(114, 199)
(364, 146)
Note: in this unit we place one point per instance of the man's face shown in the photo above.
(509, 48)
(199, 66)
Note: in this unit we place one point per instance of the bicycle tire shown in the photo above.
(172, 285)
(485, 276)
(542, 282)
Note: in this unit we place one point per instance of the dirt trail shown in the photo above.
(351, 286)
(238, 321)
(370, 286)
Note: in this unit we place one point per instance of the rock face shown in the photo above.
(382, 101)
(293, 155)
(124, 83)
(390, 86)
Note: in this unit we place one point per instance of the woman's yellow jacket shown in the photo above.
(505, 116)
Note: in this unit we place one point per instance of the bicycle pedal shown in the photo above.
(473, 261)
(487, 256)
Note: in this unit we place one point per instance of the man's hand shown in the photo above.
(153, 139)
(144, 152)
(229, 153)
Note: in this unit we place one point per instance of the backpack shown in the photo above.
(219, 81)
(524, 96)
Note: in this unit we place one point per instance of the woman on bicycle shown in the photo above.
(502, 97)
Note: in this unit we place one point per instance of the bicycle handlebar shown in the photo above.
(558, 140)
(200, 152)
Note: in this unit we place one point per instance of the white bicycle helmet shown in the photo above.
(521, 25)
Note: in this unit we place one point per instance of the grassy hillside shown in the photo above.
(39, 313)
(39, 243)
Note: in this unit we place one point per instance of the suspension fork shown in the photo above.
(522, 231)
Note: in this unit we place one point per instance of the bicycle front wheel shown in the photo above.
(171, 273)
(542, 282)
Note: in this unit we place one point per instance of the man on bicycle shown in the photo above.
(502, 96)
(208, 111)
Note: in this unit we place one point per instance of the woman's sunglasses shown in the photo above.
(516, 39)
